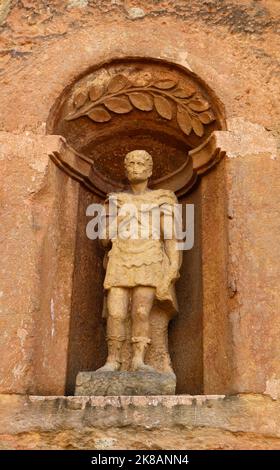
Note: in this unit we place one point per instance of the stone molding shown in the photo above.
(236, 413)
(80, 168)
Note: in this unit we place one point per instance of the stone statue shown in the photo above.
(142, 265)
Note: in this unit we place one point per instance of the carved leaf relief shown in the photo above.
(167, 97)
(163, 107)
(99, 114)
(197, 126)
(142, 101)
(119, 105)
(185, 92)
(95, 92)
(117, 83)
(80, 99)
(198, 104)
(165, 84)
(184, 120)
(206, 117)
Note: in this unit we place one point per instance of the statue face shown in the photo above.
(137, 167)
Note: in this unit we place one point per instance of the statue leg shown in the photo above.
(117, 304)
(142, 302)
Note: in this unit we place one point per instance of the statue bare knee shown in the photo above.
(142, 302)
(117, 302)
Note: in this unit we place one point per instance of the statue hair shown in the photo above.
(146, 156)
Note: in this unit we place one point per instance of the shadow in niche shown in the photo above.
(185, 330)
(87, 345)
(193, 337)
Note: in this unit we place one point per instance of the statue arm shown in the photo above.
(108, 218)
(174, 256)
(104, 238)
(170, 244)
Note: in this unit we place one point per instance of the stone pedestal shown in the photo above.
(124, 383)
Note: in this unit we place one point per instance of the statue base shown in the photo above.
(125, 383)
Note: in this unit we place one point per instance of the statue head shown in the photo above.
(138, 165)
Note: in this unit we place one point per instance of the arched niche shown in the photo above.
(166, 109)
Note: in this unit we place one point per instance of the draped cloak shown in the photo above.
(142, 260)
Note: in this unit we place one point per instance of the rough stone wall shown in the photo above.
(236, 42)
(232, 45)
(239, 38)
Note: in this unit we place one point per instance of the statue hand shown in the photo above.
(173, 274)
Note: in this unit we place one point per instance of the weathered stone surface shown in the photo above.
(37, 202)
(240, 37)
(232, 45)
(134, 13)
(240, 268)
(4, 9)
(254, 270)
(124, 383)
(166, 422)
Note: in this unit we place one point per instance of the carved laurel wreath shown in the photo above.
(120, 96)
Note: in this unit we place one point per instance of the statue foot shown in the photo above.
(140, 366)
(109, 367)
